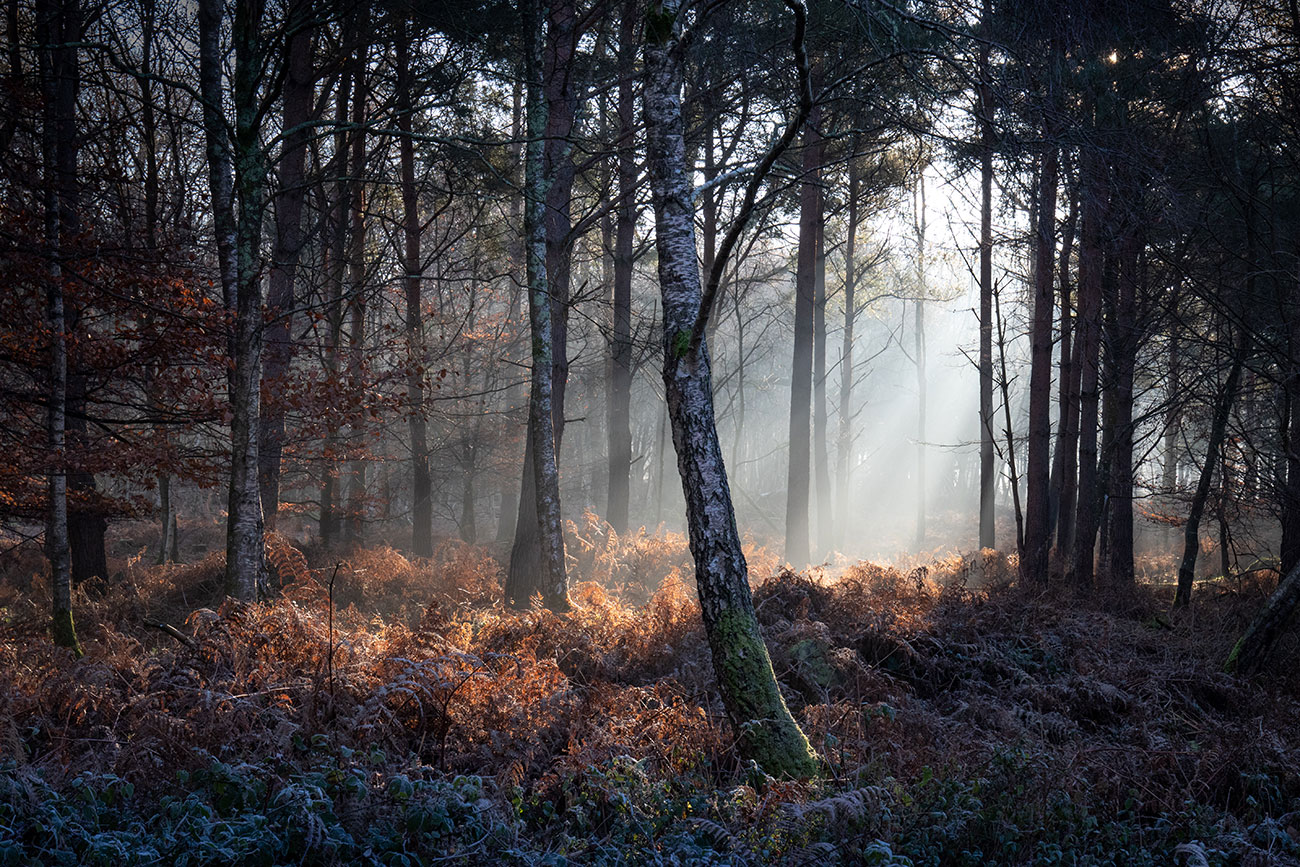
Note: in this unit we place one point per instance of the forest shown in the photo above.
(673, 432)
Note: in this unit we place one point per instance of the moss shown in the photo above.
(65, 632)
(767, 732)
(1234, 657)
(659, 25)
(681, 343)
(811, 655)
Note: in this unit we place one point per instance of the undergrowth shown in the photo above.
(416, 721)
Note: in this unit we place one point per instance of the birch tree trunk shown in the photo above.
(551, 580)
(559, 88)
(764, 727)
(58, 31)
(238, 240)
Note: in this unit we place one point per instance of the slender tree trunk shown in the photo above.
(1091, 208)
(1251, 652)
(335, 255)
(167, 544)
(510, 487)
(1033, 559)
(413, 276)
(1290, 548)
(919, 349)
(821, 432)
(58, 31)
(298, 92)
(551, 580)
(797, 543)
(764, 727)
(528, 573)
(988, 477)
(620, 392)
(1066, 457)
(1120, 477)
(238, 176)
(357, 508)
(844, 444)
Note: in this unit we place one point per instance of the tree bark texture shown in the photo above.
(620, 386)
(1033, 559)
(764, 727)
(297, 93)
(550, 580)
(798, 480)
(988, 477)
(236, 173)
(1218, 427)
(58, 32)
(1091, 214)
(558, 95)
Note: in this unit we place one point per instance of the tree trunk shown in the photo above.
(764, 727)
(988, 477)
(58, 31)
(1251, 652)
(510, 486)
(413, 276)
(238, 240)
(821, 458)
(354, 527)
(620, 385)
(550, 579)
(919, 349)
(844, 444)
(1092, 206)
(797, 542)
(528, 572)
(1290, 548)
(299, 84)
(1065, 460)
(1120, 477)
(1033, 559)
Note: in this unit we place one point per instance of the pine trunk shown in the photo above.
(798, 480)
(1033, 560)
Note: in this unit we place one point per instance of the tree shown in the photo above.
(59, 32)
(552, 582)
(765, 729)
(236, 178)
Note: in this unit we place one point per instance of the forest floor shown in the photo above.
(408, 718)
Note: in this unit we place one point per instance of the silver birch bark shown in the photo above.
(58, 30)
(546, 477)
(765, 729)
(238, 239)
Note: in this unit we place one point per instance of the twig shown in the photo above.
(173, 632)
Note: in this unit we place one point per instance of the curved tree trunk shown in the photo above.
(764, 727)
